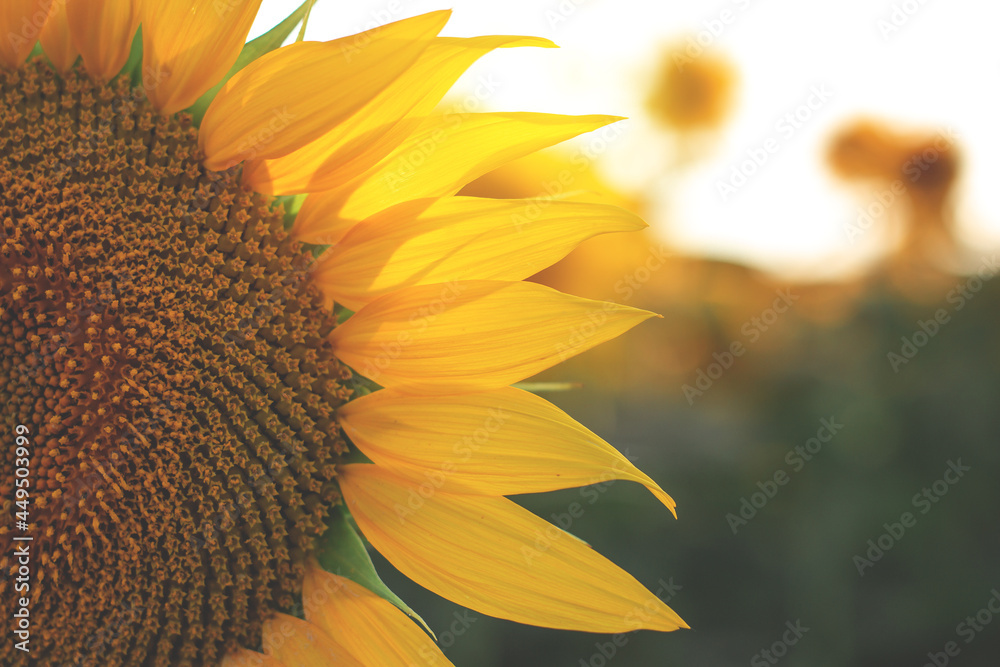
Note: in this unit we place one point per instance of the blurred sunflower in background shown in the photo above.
(217, 379)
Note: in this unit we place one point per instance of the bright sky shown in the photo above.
(936, 66)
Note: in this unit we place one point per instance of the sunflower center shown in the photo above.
(159, 339)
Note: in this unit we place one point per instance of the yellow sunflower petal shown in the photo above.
(20, 23)
(244, 658)
(316, 224)
(298, 643)
(497, 558)
(56, 39)
(443, 154)
(370, 627)
(192, 44)
(102, 32)
(459, 238)
(473, 334)
(262, 112)
(358, 143)
(496, 443)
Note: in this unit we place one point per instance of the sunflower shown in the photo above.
(212, 382)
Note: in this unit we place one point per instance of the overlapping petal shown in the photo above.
(497, 558)
(20, 23)
(262, 113)
(56, 39)
(438, 313)
(473, 334)
(191, 45)
(495, 443)
(370, 627)
(423, 242)
(444, 153)
(298, 643)
(359, 142)
(102, 32)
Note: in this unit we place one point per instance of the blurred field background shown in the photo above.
(821, 396)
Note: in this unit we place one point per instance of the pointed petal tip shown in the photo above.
(665, 498)
(442, 16)
(533, 446)
(659, 617)
(428, 241)
(637, 222)
(605, 119)
(640, 222)
(539, 42)
(445, 543)
(433, 353)
(368, 626)
(260, 113)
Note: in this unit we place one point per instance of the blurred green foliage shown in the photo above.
(794, 560)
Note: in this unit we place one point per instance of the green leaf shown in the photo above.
(254, 49)
(342, 552)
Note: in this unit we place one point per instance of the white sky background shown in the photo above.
(941, 68)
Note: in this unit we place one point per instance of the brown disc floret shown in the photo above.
(161, 342)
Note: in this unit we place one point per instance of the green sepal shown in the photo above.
(341, 551)
(354, 456)
(254, 49)
(342, 314)
(315, 249)
(133, 66)
(291, 205)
